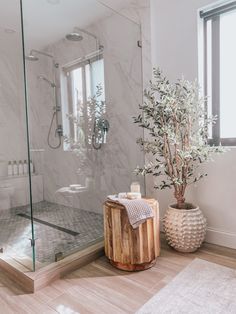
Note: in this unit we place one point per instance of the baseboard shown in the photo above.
(219, 237)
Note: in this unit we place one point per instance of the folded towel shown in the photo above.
(138, 210)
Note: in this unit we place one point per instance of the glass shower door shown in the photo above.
(83, 90)
(16, 233)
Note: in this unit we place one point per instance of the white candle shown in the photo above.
(135, 187)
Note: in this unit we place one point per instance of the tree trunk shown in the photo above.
(180, 200)
(179, 195)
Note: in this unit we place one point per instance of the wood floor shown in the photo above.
(99, 288)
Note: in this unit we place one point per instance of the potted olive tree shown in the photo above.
(176, 123)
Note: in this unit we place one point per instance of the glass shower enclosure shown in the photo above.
(77, 86)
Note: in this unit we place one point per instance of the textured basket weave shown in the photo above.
(185, 229)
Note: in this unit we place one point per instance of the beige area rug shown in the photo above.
(202, 287)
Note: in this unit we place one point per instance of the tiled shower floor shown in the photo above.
(57, 229)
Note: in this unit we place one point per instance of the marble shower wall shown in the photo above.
(109, 170)
(138, 11)
(12, 109)
(12, 112)
(13, 116)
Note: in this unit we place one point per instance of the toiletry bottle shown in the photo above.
(10, 169)
(21, 168)
(31, 167)
(25, 167)
(15, 168)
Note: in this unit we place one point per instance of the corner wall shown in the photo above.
(174, 37)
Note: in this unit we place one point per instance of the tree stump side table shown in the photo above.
(127, 248)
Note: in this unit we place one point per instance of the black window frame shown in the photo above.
(214, 15)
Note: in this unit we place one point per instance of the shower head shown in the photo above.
(31, 56)
(52, 84)
(74, 36)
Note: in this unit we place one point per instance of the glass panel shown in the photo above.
(71, 53)
(227, 75)
(15, 210)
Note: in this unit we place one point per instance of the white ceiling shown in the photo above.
(45, 22)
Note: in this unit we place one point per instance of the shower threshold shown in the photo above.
(34, 281)
(65, 238)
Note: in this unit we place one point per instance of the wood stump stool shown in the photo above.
(127, 248)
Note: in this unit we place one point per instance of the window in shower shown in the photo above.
(83, 82)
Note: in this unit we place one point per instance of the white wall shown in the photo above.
(175, 49)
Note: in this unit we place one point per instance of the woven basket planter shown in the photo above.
(185, 229)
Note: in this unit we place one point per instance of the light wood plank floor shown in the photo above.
(99, 288)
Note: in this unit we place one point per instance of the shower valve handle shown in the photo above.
(57, 108)
(59, 130)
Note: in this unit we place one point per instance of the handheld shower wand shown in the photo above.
(41, 77)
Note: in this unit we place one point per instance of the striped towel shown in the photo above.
(138, 210)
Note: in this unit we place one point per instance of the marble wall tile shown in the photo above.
(111, 168)
(12, 109)
(13, 136)
(21, 195)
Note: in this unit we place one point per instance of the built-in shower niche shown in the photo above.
(83, 148)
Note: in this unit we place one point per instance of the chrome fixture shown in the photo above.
(101, 128)
(59, 130)
(52, 84)
(75, 35)
(33, 56)
(34, 52)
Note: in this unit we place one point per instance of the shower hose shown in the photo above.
(49, 132)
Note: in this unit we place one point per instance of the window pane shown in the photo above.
(227, 75)
(77, 97)
(77, 84)
(88, 81)
(97, 77)
(209, 72)
(82, 82)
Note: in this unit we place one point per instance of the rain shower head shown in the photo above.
(74, 36)
(31, 56)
